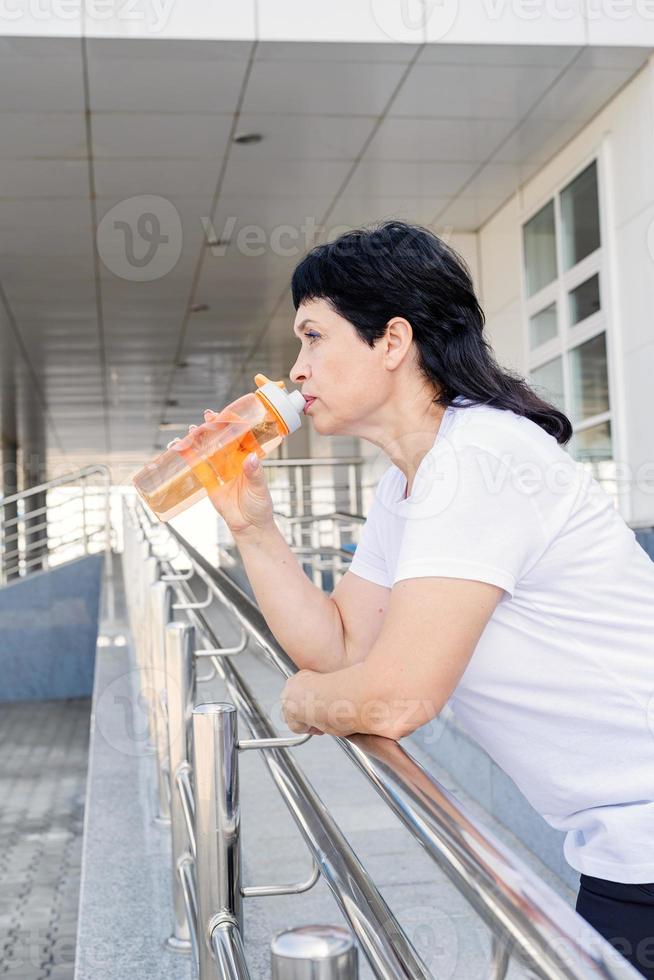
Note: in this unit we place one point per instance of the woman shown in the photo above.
(493, 573)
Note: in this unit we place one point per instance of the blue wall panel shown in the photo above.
(48, 632)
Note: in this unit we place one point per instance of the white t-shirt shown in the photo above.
(560, 688)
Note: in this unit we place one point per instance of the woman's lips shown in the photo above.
(309, 402)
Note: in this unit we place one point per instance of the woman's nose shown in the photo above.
(297, 374)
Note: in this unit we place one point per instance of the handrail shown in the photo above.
(92, 523)
(57, 482)
(523, 911)
(316, 461)
(389, 950)
(315, 518)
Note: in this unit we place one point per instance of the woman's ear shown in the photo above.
(398, 340)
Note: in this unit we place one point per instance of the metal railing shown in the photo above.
(309, 486)
(198, 747)
(56, 521)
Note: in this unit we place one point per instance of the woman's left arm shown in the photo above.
(430, 632)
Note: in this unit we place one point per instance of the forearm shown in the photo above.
(341, 703)
(305, 621)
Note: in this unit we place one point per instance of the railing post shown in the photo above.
(314, 953)
(180, 685)
(85, 538)
(146, 578)
(217, 825)
(161, 600)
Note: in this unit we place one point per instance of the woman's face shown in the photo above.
(341, 371)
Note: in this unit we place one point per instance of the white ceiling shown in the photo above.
(440, 135)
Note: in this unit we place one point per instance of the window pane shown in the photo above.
(590, 385)
(593, 444)
(548, 382)
(542, 326)
(540, 249)
(580, 214)
(593, 448)
(584, 300)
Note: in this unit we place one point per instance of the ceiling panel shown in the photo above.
(33, 179)
(334, 51)
(50, 292)
(437, 139)
(296, 137)
(384, 178)
(169, 178)
(155, 76)
(472, 91)
(321, 87)
(27, 225)
(264, 178)
(466, 214)
(580, 93)
(160, 134)
(43, 267)
(42, 134)
(353, 211)
(498, 55)
(498, 180)
(41, 74)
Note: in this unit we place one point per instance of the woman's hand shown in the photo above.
(292, 707)
(244, 503)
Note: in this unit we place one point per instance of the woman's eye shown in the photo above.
(311, 336)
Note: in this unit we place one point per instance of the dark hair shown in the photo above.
(370, 275)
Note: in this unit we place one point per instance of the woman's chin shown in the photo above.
(322, 426)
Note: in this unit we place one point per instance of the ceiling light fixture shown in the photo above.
(245, 139)
(218, 242)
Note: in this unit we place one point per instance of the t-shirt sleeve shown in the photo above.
(469, 516)
(368, 560)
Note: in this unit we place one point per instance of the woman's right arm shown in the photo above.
(303, 619)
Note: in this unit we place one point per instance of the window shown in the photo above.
(540, 249)
(566, 318)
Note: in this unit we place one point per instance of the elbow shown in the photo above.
(396, 719)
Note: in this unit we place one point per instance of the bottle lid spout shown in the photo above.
(289, 405)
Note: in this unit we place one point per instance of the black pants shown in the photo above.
(623, 914)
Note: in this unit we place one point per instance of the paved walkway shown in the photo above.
(44, 748)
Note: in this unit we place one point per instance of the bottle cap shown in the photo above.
(289, 405)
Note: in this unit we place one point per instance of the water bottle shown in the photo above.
(214, 452)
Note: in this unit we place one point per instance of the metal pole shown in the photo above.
(161, 601)
(229, 955)
(314, 953)
(148, 575)
(85, 537)
(217, 825)
(180, 681)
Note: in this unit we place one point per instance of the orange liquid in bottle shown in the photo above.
(208, 471)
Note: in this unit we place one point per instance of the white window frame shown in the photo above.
(569, 337)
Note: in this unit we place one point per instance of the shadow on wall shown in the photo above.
(48, 632)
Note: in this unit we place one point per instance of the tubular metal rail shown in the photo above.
(197, 751)
(37, 532)
(296, 487)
